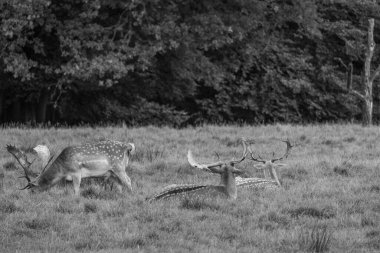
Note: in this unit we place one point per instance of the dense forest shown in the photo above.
(176, 62)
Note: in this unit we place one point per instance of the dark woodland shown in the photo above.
(182, 63)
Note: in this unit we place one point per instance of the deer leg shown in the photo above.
(265, 172)
(123, 177)
(274, 176)
(76, 183)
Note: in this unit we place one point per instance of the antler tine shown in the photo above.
(289, 146)
(11, 149)
(260, 160)
(212, 167)
(245, 152)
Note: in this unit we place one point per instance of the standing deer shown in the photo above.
(76, 162)
(266, 165)
(227, 172)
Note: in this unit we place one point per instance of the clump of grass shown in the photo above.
(374, 188)
(90, 244)
(324, 213)
(132, 242)
(373, 234)
(369, 219)
(38, 224)
(116, 210)
(90, 207)
(62, 208)
(22, 233)
(92, 192)
(374, 241)
(349, 139)
(185, 169)
(298, 174)
(273, 220)
(331, 143)
(317, 239)
(7, 206)
(156, 166)
(343, 169)
(356, 206)
(10, 166)
(197, 203)
(230, 142)
(154, 153)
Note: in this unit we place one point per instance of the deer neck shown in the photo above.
(273, 173)
(228, 181)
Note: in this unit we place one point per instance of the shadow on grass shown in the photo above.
(198, 203)
(94, 193)
(272, 221)
(323, 213)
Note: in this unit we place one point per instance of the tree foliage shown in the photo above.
(181, 62)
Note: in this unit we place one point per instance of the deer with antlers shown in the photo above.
(267, 166)
(227, 185)
(98, 159)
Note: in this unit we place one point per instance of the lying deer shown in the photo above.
(267, 166)
(227, 172)
(76, 162)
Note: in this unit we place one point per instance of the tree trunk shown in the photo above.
(367, 82)
(1, 106)
(42, 105)
(367, 112)
(1, 180)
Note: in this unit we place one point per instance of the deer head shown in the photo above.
(271, 164)
(43, 153)
(226, 169)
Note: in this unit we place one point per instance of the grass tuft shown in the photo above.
(7, 206)
(10, 166)
(272, 221)
(369, 219)
(90, 207)
(317, 239)
(38, 224)
(343, 169)
(133, 242)
(375, 188)
(198, 203)
(324, 213)
(93, 192)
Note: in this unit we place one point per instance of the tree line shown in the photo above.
(175, 62)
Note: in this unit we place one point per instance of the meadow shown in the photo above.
(330, 194)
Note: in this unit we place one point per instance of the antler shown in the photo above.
(214, 167)
(23, 161)
(289, 146)
(259, 159)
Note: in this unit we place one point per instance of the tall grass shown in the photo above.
(331, 179)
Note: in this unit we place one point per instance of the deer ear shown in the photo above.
(132, 149)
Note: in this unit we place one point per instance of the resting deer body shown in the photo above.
(227, 172)
(98, 159)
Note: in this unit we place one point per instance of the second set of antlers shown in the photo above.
(231, 177)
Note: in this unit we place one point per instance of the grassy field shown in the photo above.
(331, 190)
